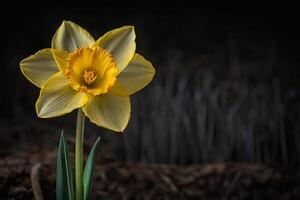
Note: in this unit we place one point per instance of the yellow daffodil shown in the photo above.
(97, 76)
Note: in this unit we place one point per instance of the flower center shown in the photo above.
(89, 76)
(91, 70)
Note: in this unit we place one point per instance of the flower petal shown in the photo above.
(58, 98)
(118, 89)
(69, 36)
(108, 111)
(60, 57)
(39, 67)
(137, 74)
(120, 43)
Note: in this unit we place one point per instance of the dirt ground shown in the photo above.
(119, 180)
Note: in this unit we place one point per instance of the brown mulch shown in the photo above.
(119, 180)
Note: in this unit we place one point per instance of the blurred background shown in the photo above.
(222, 111)
(226, 88)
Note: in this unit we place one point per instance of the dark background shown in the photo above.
(226, 88)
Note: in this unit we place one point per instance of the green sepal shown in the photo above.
(64, 177)
(88, 172)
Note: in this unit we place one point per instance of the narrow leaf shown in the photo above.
(69, 171)
(64, 178)
(88, 172)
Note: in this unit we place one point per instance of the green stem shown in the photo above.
(79, 154)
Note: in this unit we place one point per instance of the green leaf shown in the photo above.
(64, 177)
(88, 172)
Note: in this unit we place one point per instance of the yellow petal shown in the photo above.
(60, 57)
(39, 67)
(108, 111)
(69, 36)
(120, 43)
(118, 89)
(58, 98)
(137, 74)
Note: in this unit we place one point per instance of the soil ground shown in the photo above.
(119, 180)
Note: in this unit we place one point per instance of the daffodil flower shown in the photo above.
(97, 76)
